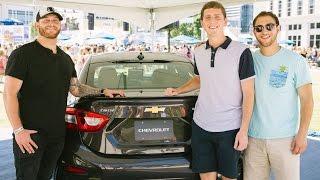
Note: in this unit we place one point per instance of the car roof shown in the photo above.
(133, 56)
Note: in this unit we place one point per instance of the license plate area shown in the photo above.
(153, 130)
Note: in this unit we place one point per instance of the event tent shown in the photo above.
(183, 39)
(148, 14)
(10, 21)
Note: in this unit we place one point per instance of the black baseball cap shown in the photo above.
(45, 11)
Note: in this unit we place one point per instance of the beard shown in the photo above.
(269, 43)
(44, 33)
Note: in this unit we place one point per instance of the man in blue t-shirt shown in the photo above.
(276, 139)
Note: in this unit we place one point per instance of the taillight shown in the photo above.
(75, 170)
(85, 121)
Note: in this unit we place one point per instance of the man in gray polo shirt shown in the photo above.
(225, 76)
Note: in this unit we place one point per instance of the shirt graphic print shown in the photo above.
(278, 78)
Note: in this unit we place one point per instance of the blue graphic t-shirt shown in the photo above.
(276, 108)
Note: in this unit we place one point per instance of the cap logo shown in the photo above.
(50, 9)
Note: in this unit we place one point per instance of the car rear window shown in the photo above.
(146, 75)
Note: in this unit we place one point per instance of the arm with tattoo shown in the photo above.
(79, 90)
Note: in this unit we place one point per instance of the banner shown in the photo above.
(13, 34)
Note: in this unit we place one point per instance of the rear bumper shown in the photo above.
(99, 167)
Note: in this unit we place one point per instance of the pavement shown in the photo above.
(7, 171)
(3, 115)
(310, 160)
(5, 132)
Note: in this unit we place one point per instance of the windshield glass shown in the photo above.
(146, 75)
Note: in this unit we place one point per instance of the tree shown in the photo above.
(169, 28)
(188, 29)
(197, 26)
(33, 31)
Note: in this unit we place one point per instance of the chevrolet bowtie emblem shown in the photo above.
(154, 109)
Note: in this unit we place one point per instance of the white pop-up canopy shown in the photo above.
(148, 14)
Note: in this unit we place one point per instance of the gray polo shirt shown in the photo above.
(219, 105)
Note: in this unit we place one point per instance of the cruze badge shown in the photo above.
(154, 109)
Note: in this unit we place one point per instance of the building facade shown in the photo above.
(299, 19)
(246, 18)
(240, 18)
(233, 16)
(23, 13)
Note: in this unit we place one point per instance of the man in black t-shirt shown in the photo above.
(38, 77)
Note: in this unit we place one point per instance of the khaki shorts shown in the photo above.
(262, 155)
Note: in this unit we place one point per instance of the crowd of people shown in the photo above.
(311, 54)
(81, 53)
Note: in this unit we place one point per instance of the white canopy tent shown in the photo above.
(148, 14)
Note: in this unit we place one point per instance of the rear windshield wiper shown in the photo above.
(138, 61)
(100, 95)
(124, 61)
(161, 61)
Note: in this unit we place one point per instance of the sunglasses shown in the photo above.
(269, 27)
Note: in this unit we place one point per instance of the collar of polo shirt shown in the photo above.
(224, 45)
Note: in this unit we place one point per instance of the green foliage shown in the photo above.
(197, 26)
(33, 31)
(188, 29)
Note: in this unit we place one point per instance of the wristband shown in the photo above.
(101, 91)
(18, 131)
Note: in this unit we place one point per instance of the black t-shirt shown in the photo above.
(46, 79)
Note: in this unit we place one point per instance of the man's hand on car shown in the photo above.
(112, 93)
(171, 92)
